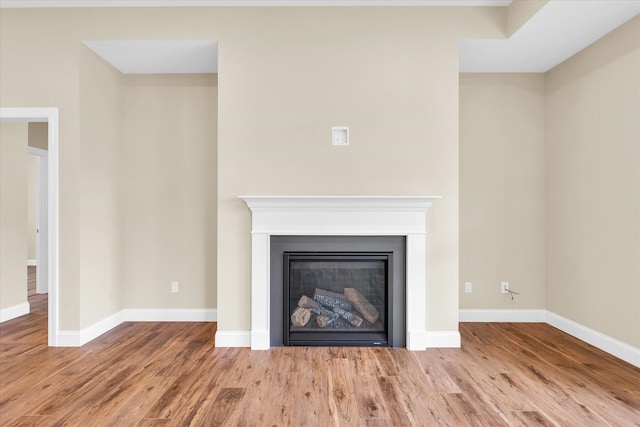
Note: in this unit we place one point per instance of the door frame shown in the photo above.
(49, 115)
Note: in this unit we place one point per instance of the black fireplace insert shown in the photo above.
(338, 298)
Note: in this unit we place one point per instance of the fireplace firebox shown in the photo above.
(338, 298)
(300, 264)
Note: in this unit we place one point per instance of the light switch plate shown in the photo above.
(340, 135)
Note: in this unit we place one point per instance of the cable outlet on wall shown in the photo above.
(468, 287)
(504, 287)
(340, 135)
(175, 287)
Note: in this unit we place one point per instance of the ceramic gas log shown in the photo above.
(329, 306)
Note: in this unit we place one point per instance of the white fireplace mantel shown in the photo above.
(339, 216)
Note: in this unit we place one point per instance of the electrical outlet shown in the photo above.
(468, 287)
(504, 287)
(175, 287)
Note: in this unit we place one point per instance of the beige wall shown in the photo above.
(32, 194)
(101, 223)
(39, 67)
(39, 135)
(286, 77)
(391, 76)
(170, 171)
(502, 190)
(593, 186)
(13, 214)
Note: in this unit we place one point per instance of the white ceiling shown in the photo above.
(558, 31)
(245, 3)
(158, 56)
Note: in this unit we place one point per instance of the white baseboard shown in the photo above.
(442, 339)
(420, 340)
(14, 311)
(32, 263)
(170, 315)
(68, 339)
(603, 342)
(260, 340)
(80, 338)
(416, 340)
(100, 327)
(233, 339)
(516, 316)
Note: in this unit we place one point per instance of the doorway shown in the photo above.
(41, 247)
(50, 267)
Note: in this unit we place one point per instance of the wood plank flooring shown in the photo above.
(31, 282)
(170, 374)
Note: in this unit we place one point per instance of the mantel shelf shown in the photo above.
(354, 203)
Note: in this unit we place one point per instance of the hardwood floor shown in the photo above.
(31, 281)
(169, 374)
(31, 328)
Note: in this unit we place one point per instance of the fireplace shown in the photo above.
(275, 217)
(374, 266)
(335, 298)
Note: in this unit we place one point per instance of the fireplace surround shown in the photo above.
(382, 258)
(339, 216)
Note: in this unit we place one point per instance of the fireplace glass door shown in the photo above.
(337, 298)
